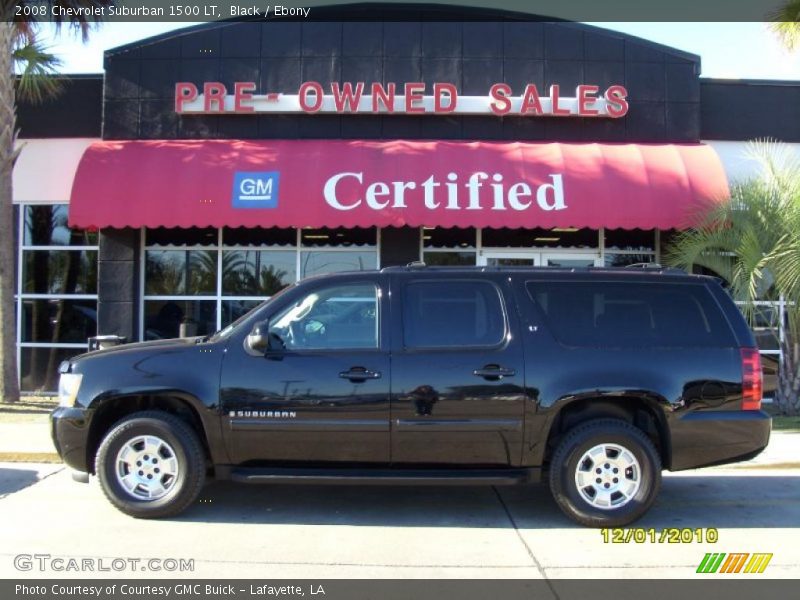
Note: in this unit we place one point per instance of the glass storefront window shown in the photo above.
(163, 318)
(449, 247)
(233, 309)
(567, 237)
(257, 272)
(454, 237)
(339, 237)
(56, 302)
(59, 272)
(245, 236)
(38, 367)
(637, 240)
(210, 277)
(177, 236)
(624, 260)
(180, 272)
(46, 225)
(315, 262)
(58, 320)
(449, 259)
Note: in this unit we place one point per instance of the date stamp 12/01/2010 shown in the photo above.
(668, 535)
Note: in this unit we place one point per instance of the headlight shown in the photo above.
(68, 385)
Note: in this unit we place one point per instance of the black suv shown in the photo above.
(596, 378)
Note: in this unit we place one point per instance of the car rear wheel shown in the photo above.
(151, 465)
(605, 473)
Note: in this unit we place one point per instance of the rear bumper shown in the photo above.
(703, 439)
(69, 428)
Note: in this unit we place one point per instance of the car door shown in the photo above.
(458, 392)
(320, 393)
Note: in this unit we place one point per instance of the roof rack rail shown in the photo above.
(644, 265)
(415, 264)
(654, 265)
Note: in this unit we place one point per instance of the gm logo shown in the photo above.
(256, 190)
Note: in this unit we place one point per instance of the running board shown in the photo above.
(379, 476)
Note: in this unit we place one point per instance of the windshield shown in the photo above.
(227, 331)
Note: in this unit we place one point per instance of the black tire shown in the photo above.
(580, 440)
(188, 452)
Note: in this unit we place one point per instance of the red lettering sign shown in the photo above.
(500, 104)
(383, 96)
(316, 88)
(346, 97)
(214, 97)
(184, 92)
(243, 90)
(618, 104)
(414, 93)
(448, 90)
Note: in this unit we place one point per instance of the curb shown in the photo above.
(775, 465)
(30, 457)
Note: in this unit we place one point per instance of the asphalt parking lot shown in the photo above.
(390, 532)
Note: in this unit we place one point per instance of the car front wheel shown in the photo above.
(605, 473)
(151, 465)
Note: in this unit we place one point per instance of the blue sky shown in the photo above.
(728, 50)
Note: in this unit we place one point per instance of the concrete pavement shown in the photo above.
(437, 532)
(26, 437)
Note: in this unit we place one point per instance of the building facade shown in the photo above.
(210, 167)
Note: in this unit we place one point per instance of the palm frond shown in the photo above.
(752, 241)
(779, 165)
(786, 23)
(37, 70)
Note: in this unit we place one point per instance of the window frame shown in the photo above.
(20, 296)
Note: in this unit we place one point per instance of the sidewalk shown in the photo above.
(783, 450)
(27, 442)
(18, 440)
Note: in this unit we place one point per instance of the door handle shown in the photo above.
(356, 374)
(494, 372)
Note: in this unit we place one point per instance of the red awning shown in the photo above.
(359, 183)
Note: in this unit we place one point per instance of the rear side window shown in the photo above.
(452, 313)
(614, 314)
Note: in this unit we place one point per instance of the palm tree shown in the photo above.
(786, 24)
(753, 243)
(20, 50)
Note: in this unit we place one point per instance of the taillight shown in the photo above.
(751, 379)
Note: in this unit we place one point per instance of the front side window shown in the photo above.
(440, 314)
(330, 318)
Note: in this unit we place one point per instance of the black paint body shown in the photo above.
(424, 409)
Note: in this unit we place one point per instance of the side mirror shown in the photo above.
(258, 338)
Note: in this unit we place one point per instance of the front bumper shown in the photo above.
(69, 428)
(706, 438)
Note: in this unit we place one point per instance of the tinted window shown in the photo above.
(337, 317)
(452, 313)
(612, 314)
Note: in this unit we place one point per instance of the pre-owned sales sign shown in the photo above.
(213, 97)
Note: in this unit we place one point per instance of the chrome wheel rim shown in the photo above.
(608, 476)
(146, 467)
